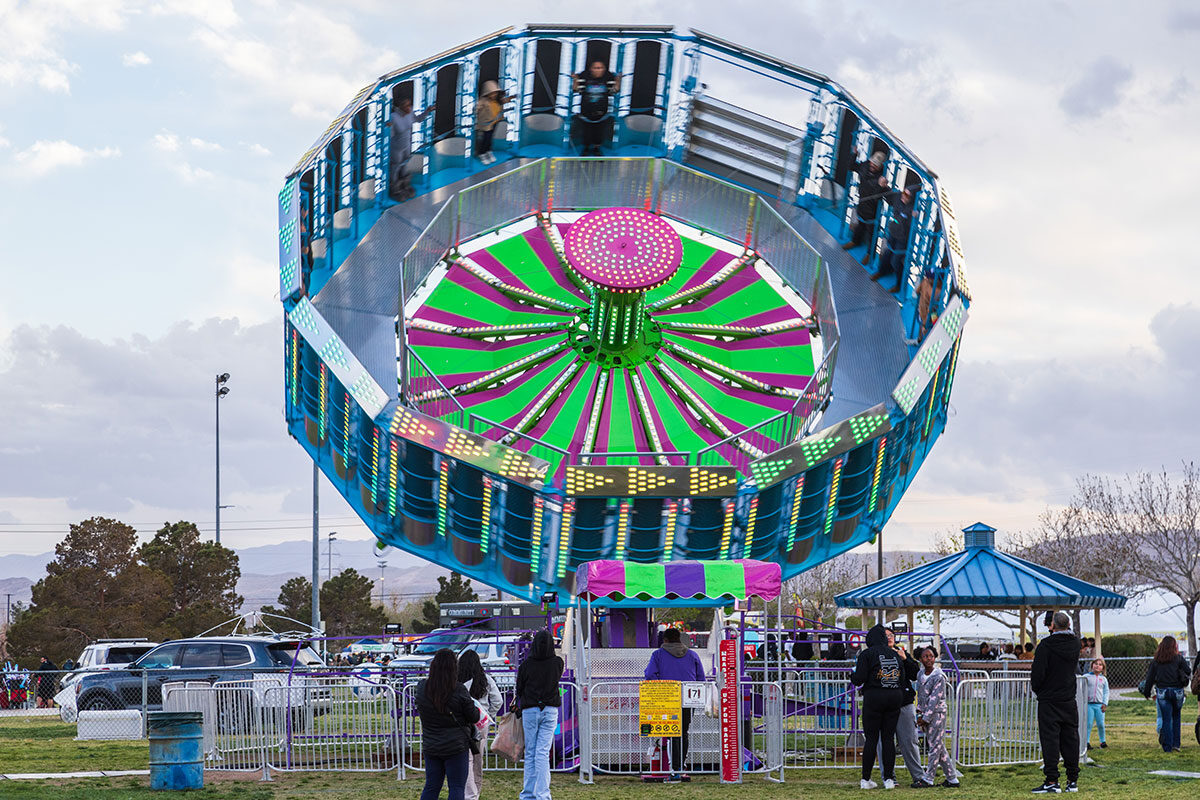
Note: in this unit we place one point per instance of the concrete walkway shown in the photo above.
(42, 776)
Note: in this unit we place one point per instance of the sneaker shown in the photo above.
(948, 784)
(672, 778)
(1104, 745)
(1072, 787)
(1048, 788)
(1089, 746)
(866, 783)
(920, 784)
(888, 783)
(848, 245)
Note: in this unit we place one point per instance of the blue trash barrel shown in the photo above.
(176, 749)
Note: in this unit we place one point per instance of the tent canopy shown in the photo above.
(676, 583)
(980, 577)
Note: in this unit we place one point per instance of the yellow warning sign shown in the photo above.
(660, 710)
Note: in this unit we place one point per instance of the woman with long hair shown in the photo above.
(538, 701)
(1168, 671)
(483, 690)
(448, 717)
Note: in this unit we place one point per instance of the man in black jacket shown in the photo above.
(1052, 678)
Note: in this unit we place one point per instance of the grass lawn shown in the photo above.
(1121, 772)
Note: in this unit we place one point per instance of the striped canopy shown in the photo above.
(677, 582)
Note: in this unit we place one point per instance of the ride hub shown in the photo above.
(706, 342)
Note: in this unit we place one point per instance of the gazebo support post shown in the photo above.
(1096, 628)
(937, 631)
(910, 630)
(1021, 633)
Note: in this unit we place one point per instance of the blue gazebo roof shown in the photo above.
(980, 577)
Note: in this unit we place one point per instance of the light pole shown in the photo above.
(221, 391)
(329, 555)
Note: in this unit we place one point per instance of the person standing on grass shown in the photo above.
(932, 710)
(879, 672)
(1052, 678)
(538, 701)
(483, 689)
(906, 725)
(1097, 701)
(448, 717)
(1170, 673)
(675, 661)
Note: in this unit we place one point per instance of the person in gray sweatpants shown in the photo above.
(906, 728)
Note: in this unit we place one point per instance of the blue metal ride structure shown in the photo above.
(428, 482)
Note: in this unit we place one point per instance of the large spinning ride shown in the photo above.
(554, 360)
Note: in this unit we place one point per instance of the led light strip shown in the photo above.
(322, 397)
(622, 529)
(929, 407)
(564, 538)
(485, 524)
(950, 374)
(494, 375)
(748, 544)
(669, 540)
(443, 498)
(375, 469)
(295, 368)
(739, 331)
(726, 530)
(479, 272)
(729, 372)
(488, 330)
(795, 520)
(346, 420)
(708, 285)
(647, 419)
(831, 509)
(589, 437)
(539, 407)
(700, 408)
(393, 471)
(881, 450)
(535, 538)
(555, 238)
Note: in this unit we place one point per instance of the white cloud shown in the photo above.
(31, 33)
(166, 142)
(190, 174)
(200, 144)
(257, 149)
(218, 14)
(44, 157)
(138, 59)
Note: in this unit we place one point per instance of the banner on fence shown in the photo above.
(660, 708)
(731, 746)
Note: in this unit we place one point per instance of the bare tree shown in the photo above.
(1150, 522)
(811, 593)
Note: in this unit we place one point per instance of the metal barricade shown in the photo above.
(995, 722)
(820, 719)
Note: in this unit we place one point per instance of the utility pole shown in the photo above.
(316, 549)
(879, 565)
(382, 566)
(329, 555)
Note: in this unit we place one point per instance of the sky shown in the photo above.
(142, 145)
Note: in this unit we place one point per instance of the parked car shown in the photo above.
(209, 659)
(422, 653)
(104, 654)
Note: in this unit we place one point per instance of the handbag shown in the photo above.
(510, 737)
(485, 719)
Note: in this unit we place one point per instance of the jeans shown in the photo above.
(452, 769)
(1095, 717)
(1170, 703)
(539, 725)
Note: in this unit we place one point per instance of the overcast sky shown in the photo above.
(142, 144)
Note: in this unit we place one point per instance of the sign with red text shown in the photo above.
(731, 745)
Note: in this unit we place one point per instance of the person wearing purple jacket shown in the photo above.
(673, 661)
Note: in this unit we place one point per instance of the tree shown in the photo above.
(1150, 522)
(450, 590)
(203, 577)
(295, 601)
(811, 593)
(94, 588)
(346, 605)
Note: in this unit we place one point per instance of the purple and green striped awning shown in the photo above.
(678, 580)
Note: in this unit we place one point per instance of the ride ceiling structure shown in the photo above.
(661, 353)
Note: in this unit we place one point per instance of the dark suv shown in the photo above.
(210, 659)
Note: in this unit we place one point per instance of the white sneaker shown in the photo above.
(867, 784)
(889, 784)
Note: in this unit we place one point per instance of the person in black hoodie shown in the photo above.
(448, 715)
(880, 673)
(1170, 673)
(1052, 678)
(538, 701)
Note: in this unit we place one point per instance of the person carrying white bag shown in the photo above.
(486, 694)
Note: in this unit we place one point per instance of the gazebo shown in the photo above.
(984, 579)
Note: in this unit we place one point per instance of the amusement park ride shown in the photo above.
(660, 353)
